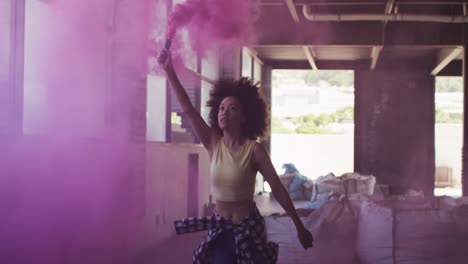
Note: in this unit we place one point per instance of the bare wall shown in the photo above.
(167, 187)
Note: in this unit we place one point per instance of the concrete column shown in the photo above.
(394, 132)
(11, 75)
(465, 116)
(128, 107)
(266, 82)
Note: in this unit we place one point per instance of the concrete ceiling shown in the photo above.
(333, 53)
(292, 10)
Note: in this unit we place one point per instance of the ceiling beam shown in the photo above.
(445, 58)
(425, 2)
(388, 10)
(292, 10)
(323, 65)
(254, 54)
(200, 76)
(358, 33)
(375, 56)
(310, 54)
(389, 6)
(453, 69)
(305, 32)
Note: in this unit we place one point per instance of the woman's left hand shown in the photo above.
(305, 237)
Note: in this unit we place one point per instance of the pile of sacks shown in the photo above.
(346, 184)
(297, 185)
(300, 187)
(417, 230)
(374, 230)
(334, 227)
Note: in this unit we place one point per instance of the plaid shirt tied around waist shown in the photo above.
(250, 236)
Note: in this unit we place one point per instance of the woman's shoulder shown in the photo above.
(252, 144)
(258, 149)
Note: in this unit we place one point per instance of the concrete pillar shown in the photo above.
(11, 68)
(394, 133)
(128, 108)
(266, 82)
(465, 115)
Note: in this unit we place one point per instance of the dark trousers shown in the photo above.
(224, 248)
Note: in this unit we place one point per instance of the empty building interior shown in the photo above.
(93, 170)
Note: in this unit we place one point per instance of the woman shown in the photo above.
(238, 117)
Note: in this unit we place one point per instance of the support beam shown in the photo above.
(388, 10)
(17, 66)
(465, 116)
(455, 68)
(254, 54)
(375, 56)
(389, 6)
(200, 76)
(310, 56)
(445, 58)
(292, 10)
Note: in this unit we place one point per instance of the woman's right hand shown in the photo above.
(165, 59)
(305, 237)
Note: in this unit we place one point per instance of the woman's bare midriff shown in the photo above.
(236, 211)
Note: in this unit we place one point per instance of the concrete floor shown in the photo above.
(178, 249)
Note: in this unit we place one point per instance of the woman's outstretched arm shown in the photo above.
(264, 165)
(205, 133)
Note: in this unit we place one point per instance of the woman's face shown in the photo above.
(230, 114)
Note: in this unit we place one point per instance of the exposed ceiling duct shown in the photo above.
(309, 15)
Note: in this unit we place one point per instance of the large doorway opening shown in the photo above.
(313, 121)
(448, 135)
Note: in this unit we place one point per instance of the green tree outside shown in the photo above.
(442, 117)
(277, 127)
(314, 124)
(449, 85)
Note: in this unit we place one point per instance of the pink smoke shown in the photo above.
(215, 22)
(67, 190)
(66, 182)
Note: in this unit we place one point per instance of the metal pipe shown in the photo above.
(382, 17)
(281, 3)
(375, 3)
(343, 4)
(432, 3)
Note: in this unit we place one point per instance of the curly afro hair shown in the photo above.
(252, 101)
